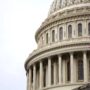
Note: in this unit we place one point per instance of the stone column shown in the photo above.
(41, 74)
(72, 67)
(85, 65)
(29, 78)
(60, 68)
(34, 77)
(27, 81)
(49, 71)
(55, 72)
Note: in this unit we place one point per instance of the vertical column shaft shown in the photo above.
(34, 77)
(27, 81)
(60, 69)
(49, 71)
(85, 65)
(41, 74)
(29, 78)
(72, 67)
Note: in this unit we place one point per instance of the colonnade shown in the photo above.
(53, 71)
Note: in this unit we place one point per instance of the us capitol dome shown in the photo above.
(62, 58)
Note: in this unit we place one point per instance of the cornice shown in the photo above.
(57, 51)
(57, 46)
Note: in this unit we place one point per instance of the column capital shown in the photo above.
(84, 51)
(59, 55)
(49, 58)
(34, 66)
(71, 52)
(41, 61)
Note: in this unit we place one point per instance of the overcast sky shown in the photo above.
(19, 20)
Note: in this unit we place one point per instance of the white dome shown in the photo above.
(59, 4)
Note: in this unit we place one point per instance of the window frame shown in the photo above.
(69, 31)
(80, 30)
(60, 33)
(53, 35)
(47, 38)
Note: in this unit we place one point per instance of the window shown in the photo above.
(80, 70)
(70, 31)
(47, 38)
(68, 71)
(88, 28)
(61, 33)
(79, 29)
(53, 35)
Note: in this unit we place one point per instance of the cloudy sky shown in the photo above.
(19, 20)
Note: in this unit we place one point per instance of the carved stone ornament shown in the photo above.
(59, 4)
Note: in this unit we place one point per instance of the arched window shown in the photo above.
(79, 29)
(68, 71)
(88, 28)
(42, 40)
(80, 70)
(53, 35)
(70, 31)
(61, 33)
(47, 38)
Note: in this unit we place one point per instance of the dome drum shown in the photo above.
(62, 59)
(64, 17)
(74, 22)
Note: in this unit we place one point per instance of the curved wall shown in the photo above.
(62, 59)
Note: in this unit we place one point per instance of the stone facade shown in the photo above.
(62, 59)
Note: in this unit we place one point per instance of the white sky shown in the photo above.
(19, 20)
